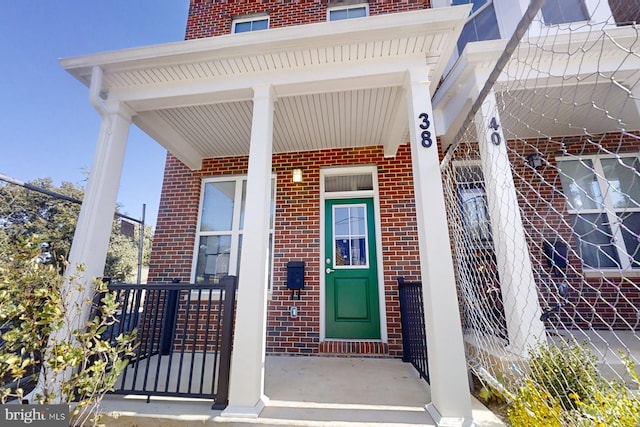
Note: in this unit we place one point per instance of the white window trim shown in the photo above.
(348, 6)
(235, 231)
(249, 19)
(469, 163)
(609, 210)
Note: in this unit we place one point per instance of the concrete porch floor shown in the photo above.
(305, 391)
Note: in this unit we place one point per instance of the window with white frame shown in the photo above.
(563, 11)
(482, 23)
(603, 201)
(472, 199)
(245, 25)
(220, 228)
(338, 13)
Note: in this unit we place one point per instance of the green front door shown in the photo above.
(350, 269)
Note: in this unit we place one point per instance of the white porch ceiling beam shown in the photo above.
(396, 132)
(166, 136)
(302, 81)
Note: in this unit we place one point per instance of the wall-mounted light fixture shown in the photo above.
(297, 175)
(534, 160)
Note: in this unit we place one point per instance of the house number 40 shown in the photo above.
(424, 125)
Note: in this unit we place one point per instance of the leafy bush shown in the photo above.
(564, 371)
(564, 388)
(32, 309)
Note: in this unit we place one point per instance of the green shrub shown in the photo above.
(32, 308)
(564, 371)
(564, 388)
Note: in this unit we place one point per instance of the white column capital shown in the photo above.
(264, 91)
(417, 75)
(120, 109)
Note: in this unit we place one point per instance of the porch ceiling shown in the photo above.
(563, 95)
(337, 84)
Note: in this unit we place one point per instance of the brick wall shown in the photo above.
(297, 234)
(601, 302)
(606, 301)
(209, 18)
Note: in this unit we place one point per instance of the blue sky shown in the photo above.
(48, 128)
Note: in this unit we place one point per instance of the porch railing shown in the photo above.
(414, 338)
(184, 338)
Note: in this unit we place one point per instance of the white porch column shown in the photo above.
(91, 237)
(450, 396)
(246, 384)
(519, 293)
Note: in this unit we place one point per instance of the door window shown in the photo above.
(350, 236)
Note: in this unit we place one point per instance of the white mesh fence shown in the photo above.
(543, 190)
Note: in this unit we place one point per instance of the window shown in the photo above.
(473, 204)
(603, 201)
(250, 24)
(481, 24)
(347, 12)
(563, 11)
(219, 236)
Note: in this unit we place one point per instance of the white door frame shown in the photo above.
(374, 194)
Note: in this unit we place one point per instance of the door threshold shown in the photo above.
(345, 347)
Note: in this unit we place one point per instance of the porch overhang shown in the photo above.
(526, 95)
(337, 84)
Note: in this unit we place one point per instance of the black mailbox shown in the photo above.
(295, 276)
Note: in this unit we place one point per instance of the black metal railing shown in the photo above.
(414, 337)
(183, 339)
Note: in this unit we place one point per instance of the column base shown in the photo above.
(245, 411)
(447, 421)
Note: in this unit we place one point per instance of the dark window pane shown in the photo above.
(595, 246)
(336, 15)
(348, 13)
(475, 216)
(563, 11)
(476, 3)
(580, 185)
(213, 258)
(246, 26)
(261, 24)
(242, 27)
(623, 177)
(630, 235)
(358, 251)
(342, 255)
(217, 206)
(357, 12)
(482, 27)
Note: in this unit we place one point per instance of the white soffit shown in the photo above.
(338, 84)
(526, 95)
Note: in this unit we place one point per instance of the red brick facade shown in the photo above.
(607, 301)
(297, 237)
(209, 18)
(298, 222)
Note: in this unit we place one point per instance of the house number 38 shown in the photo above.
(426, 134)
